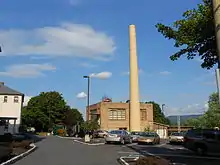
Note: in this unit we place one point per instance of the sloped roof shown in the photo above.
(8, 91)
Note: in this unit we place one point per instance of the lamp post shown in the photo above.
(216, 13)
(88, 90)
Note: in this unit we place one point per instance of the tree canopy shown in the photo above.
(47, 109)
(194, 34)
(211, 118)
(158, 115)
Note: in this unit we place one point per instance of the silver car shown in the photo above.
(135, 136)
(120, 136)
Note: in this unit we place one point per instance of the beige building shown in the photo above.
(112, 115)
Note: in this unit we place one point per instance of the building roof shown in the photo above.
(4, 90)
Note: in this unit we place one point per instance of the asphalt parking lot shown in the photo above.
(55, 151)
(175, 153)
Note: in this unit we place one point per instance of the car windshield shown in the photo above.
(135, 133)
(115, 132)
(148, 134)
(177, 134)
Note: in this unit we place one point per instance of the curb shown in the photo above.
(123, 162)
(18, 157)
(95, 144)
(72, 138)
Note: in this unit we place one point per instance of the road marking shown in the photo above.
(160, 145)
(124, 152)
(89, 144)
(133, 144)
(186, 156)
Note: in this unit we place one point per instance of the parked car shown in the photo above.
(22, 136)
(202, 141)
(135, 136)
(148, 138)
(120, 136)
(6, 148)
(176, 137)
(100, 134)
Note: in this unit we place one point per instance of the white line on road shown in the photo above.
(89, 144)
(187, 156)
(123, 152)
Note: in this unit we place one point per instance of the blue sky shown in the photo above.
(50, 45)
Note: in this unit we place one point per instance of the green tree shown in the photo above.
(90, 125)
(73, 117)
(194, 34)
(44, 110)
(158, 115)
(211, 118)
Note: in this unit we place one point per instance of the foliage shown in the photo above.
(194, 34)
(158, 115)
(61, 132)
(72, 117)
(147, 129)
(90, 125)
(211, 118)
(47, 109)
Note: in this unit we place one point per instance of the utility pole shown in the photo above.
(163, 105)
(88, 92)
(216, 13)
(178, 122)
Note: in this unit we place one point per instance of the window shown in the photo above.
(143, 114)
(5, 99)
(117, 114)
(209, 135)
(16, 99)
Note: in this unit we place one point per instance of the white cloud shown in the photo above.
(73, 40)
(81, 95)
(87, 65)
(191, 109)
(101, 75)
(165, 73)
(27, 70)
(26, 100)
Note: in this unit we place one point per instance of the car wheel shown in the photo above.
(107, 142)
(201, 150)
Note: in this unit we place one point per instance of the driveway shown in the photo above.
(57, 151)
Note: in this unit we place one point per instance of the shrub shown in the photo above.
(61, 132)
(152, 160)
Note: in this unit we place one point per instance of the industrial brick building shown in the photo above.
(111, 115)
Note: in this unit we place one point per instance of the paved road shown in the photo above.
(176, 153)
(57, 151)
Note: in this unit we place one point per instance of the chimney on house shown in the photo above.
(1, 83)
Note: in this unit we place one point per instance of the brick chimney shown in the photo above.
(1, 83)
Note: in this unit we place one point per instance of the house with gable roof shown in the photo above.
(11, 102)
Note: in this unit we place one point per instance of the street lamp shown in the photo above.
(88, 90)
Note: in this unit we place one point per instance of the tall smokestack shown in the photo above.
(134, 85)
